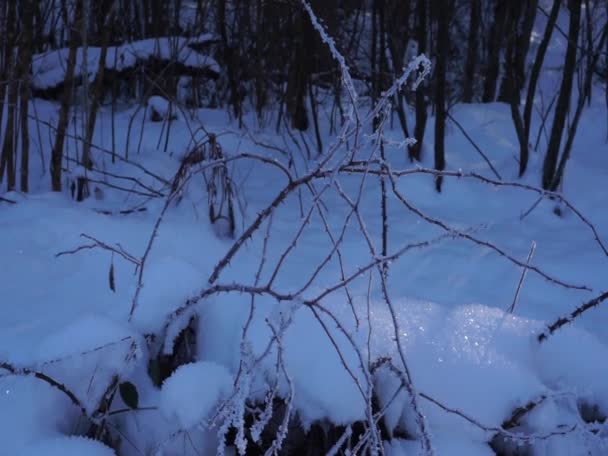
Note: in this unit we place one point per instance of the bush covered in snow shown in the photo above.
(294, 306)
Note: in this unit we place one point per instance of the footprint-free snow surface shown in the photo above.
(326, 329)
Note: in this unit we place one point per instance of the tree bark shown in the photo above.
(443, 43)
(10, 76)
(537, 66)
(471, 62)
(522, 14)
(583, 94)
(25, 61)
(415, 151)
(563, 100)
(66, 99)
(398, 35)
(7, 159)
(95, 95)
(5, 61)
(494, 49)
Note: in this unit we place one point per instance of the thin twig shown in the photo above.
(466, 135)
(562, 321)
(521, 278)
(45, 378)
(117, 249)
(7, 200)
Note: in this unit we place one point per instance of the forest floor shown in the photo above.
(463, 347)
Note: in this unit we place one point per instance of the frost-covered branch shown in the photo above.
(117, 249)
(46, 379)
(562, 321)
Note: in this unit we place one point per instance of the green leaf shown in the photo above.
(129, 394)
(111, 278)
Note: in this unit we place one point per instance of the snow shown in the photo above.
(31, 410)
(165, 279)
(58, 315)
(93, 347)
(161, 109)
(455, 446)
(67, 446)
(471, 357)
(193, 391)
(48, 69)
(320, 381)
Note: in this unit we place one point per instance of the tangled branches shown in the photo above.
(341, 177)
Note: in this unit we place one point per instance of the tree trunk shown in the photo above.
(522, 14)
(443, 43)
(380, 87)
(5, 61)
(95, 96)
(471, 62)
(229, 59)
(7, 159)
(398, 35)
(538, 63)
(563, 100)
(10, 86)
(415, 151)
(66, 99)
(583, 94)
(494, 49)
(25, 61)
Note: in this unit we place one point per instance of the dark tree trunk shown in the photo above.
(583, 94)
(443, 43)
(10, 82)
(563, 100)
(471, 62)
(66, 99)
(229, 59)
(25, 61)
(415, 151)
(536, 67)
(590, 54)
(398, 35)
(494, 50)
(7, 158)
(95, 96)
(522, 14)
(381, 85)
(7, 23)
(298, 76)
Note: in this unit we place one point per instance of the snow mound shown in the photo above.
(31, 410)
(168, 282)
(94, 347)
(87, 333)
(190, 394)
(49, 68)
(67, 446)
(161, 109)
(324, 388)
(454, 446)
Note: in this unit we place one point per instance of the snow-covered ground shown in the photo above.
(49, 68)
(67, 312)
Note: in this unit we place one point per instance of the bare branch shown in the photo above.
(117, 249)
(562, 321)
(48, 380)
(7, 200)
(522, 277)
